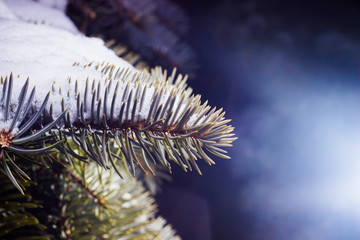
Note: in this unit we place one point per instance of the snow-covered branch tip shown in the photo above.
(91, 105)
(144, 117)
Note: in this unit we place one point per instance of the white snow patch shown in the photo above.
(47, 55)
(5, 12)
(42, 13)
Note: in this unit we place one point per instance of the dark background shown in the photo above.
(287, 73)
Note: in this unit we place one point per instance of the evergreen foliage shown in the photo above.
(71, 173)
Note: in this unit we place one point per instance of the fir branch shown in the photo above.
(148, 117)
(129, 212)
(115, 120)
(88, 191)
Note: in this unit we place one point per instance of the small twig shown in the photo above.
(99, 200)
